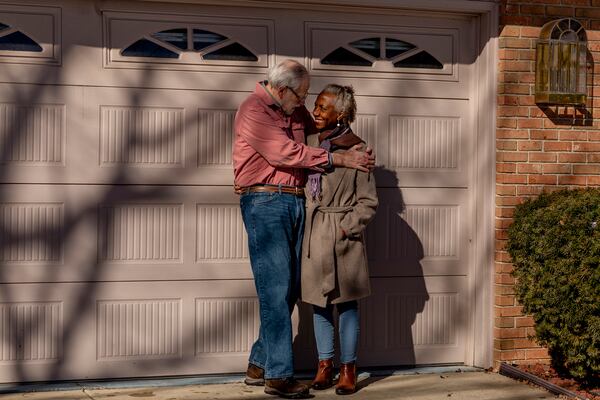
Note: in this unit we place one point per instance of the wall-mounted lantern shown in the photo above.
(561, 64)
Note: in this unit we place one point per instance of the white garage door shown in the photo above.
(122, 248)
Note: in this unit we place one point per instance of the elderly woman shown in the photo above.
(340, 203)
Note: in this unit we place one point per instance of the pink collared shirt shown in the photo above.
(269, 146)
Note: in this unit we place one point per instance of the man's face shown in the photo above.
(291, 98)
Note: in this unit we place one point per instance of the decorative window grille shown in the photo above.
(561, 64)
(14, 40)
(365, 52)
(171, 43)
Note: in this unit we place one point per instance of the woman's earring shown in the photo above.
(338, 121)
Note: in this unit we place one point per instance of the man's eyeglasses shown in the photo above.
(300, 98)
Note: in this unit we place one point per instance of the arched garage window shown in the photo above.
(170, 43)
(14, 40)
(365, 52)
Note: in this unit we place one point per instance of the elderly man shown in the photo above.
(270, 159)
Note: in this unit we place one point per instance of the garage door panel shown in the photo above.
(43, 320)
(418, 143)
(141, 136)
(131, 131)
(35, 235)
(440, 43)
(33, 134)
(419, 232)
(221, 237)
(421, 322)
(406, 321)
(75, 330)
(116, 136)
(82, 233)
(32, 233)
(128, 330)
(41, 25)
(35, 123)
(140, 233)
(442, 39)
(124, 29)
(219, 322)
(163, 136)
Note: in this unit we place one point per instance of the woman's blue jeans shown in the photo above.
(348, 330)
(275, 226)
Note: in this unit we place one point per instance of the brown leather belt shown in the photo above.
(295, 190)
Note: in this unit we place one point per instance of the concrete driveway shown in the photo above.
(427, 386)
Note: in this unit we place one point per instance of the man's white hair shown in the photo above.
(287, 73)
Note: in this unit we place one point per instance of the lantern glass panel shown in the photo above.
(561, 70)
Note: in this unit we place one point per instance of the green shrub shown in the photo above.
(554, 242)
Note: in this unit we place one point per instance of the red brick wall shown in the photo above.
(536, 150)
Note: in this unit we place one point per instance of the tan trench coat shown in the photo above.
(334, 269)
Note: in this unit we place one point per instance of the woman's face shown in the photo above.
(324, 112)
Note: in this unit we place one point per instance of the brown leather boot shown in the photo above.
(324, 378)
(347, 382)
(288, 388)
(255, 375)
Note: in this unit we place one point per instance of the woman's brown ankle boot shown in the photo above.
(324, 378)
(347, 382)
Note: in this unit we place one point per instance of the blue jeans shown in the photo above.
(275, 226)
(348, 327)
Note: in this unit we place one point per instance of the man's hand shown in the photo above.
(357, 157)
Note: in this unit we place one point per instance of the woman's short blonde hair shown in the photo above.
(344, 100)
